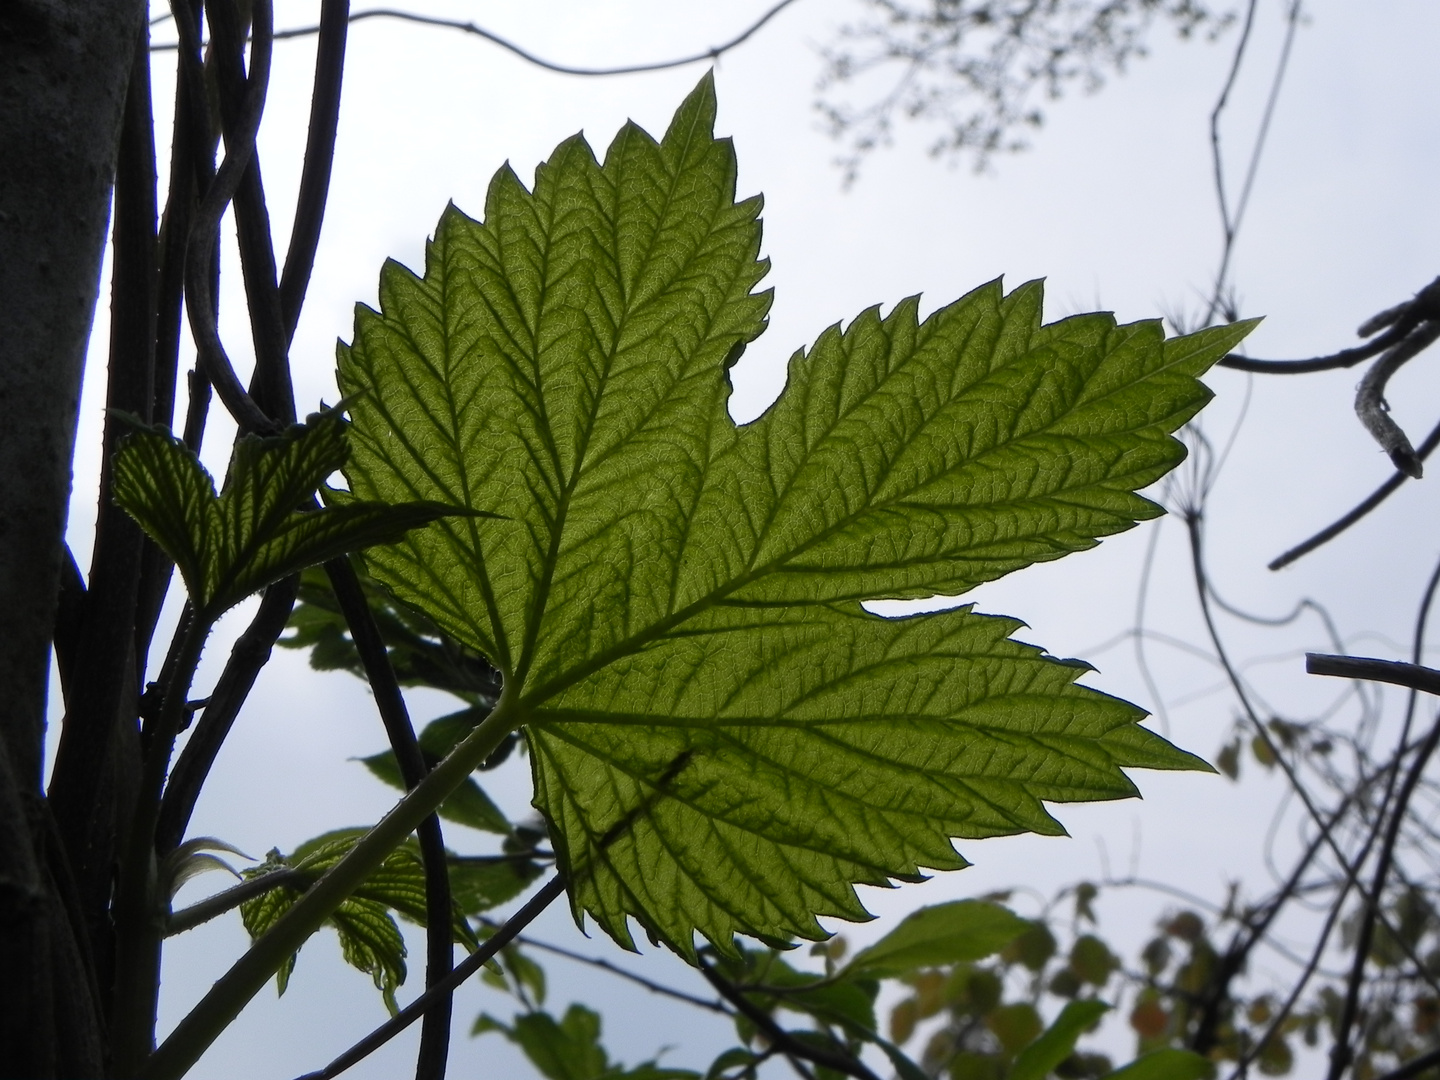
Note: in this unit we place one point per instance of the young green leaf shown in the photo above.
(723, 740)
(1166, 1065)
(486, 882)
(938, 935)
(1057, 1042)
(256, 532)
(369, 939)
(569, 1049)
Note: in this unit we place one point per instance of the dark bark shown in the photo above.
(88, 787)
(64, 68)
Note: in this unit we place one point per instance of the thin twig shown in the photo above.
(1334, 361)
(447, 986)
(1307, 973)
(1231, 224)
(712, 53)
(1226, 225)
(200, 303)
(1341, 1054)
(1350, 869)
(1395, 672)
(439, 952)
(614, 969)
(318, 161)
(778, 1036)
(1397, 322)
(1414, 1067)
(1370, 399)
(1369, 503)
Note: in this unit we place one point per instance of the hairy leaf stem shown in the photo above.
(233, 991)
(139, 918)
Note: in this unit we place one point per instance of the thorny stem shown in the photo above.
(250, 653)
(213, 907)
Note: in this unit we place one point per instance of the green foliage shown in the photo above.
(723, 740)
(257, 532)
(419, 652)
(1166, 1065)
(369, 939)
(940, 934)
(468, 804)
(569, 1048)
(1057, 1042)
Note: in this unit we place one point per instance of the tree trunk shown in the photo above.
(64, 67)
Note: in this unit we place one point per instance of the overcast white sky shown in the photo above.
(1113, 205)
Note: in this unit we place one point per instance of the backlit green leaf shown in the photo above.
(466, 805)
(723, 740)
(1057, 1042)
(256, 531)
(569, 1048)
(485, 882)
(369, 939)
(939, 935)
(1166, 1065)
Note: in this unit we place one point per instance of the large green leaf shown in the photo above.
(256, 532)
(722, 738)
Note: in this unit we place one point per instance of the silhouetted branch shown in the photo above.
(1374, 499)
(778, 1036)
(1396, 672)
(712, 53)
(319, 159)
(439, 953)
(443, 989)
(198, 288)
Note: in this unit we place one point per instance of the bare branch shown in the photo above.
(443, 989)
(787, 1043)
(712, 53)
(1414, 676)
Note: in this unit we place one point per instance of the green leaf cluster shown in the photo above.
(467, 804)
(370, 941)
(569, 1048)
(263, 527)
(723, 740)
(420, 654)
